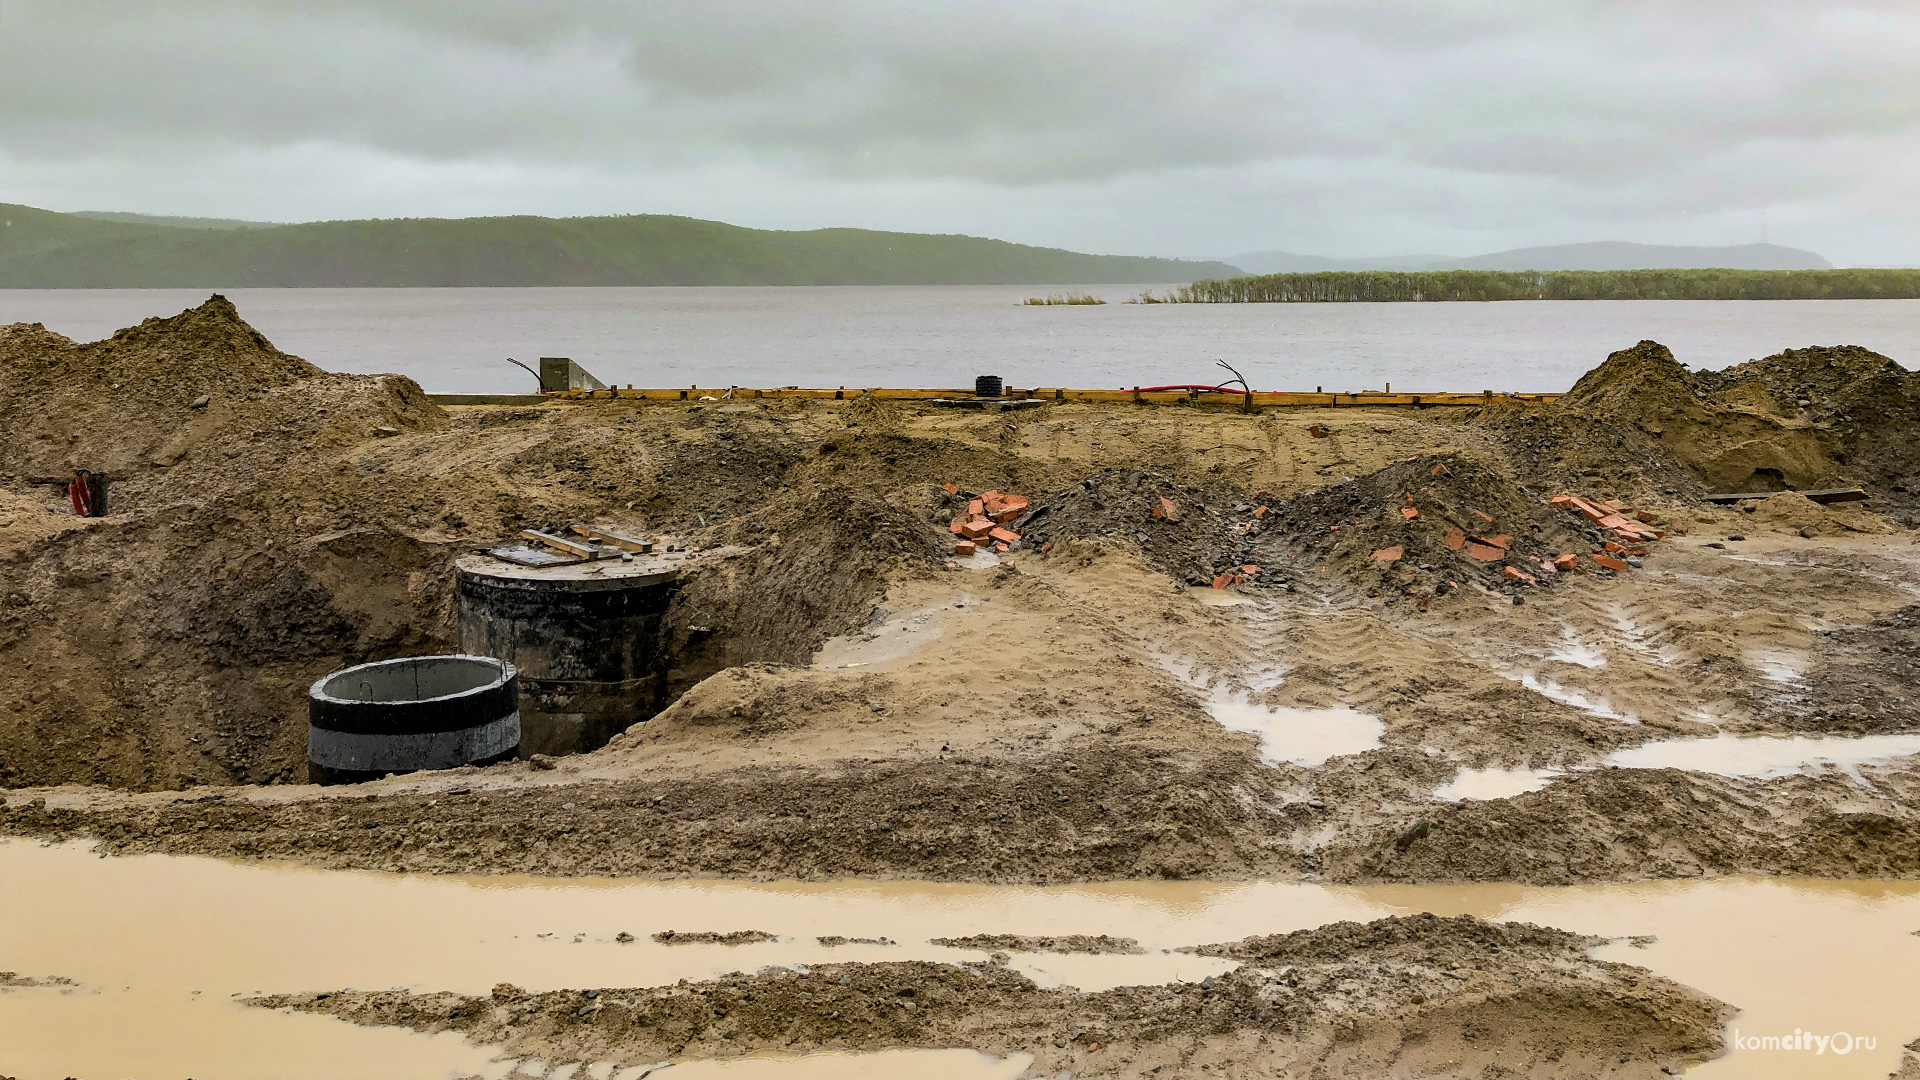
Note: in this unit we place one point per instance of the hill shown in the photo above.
(1599, 255)
(175, 220)
(42, 249)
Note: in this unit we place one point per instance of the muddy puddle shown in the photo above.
(158, 949)
(1730, 755)
(1299, 736)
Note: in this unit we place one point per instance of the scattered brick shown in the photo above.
(1390, 554)
(1609, 562)
(1485, 552)
(952, 489)
(1260, 511)
(1004, 535)
(1456, 539)
(964, 547)
(1409, 513)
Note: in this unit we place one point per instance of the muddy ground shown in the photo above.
(1417, 996)
(848, 699)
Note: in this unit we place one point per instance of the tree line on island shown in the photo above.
(1381, 286)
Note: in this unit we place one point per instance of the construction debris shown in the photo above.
(991, 518)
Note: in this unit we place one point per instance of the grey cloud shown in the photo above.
(1449, 119)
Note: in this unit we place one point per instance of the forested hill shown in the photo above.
(40, 249)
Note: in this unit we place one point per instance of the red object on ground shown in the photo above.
(80, 497)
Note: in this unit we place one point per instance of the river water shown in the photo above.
(456, 340)
(159, 947)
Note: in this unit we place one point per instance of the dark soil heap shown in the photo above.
(1416, 527)
(1193, 543)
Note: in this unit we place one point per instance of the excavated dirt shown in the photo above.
(843, 705)
(1467, 524)
(1090, 944)
(1421, 995)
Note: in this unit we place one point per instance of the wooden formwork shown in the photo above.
(1253, 401)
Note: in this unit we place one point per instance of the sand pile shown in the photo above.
(1417, 528)
(1868, 406)
(110, 405)
(1731, 447)
(1801, 419)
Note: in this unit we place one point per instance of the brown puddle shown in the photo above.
(160, 946)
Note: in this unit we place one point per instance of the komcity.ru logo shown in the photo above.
(1839, 1042)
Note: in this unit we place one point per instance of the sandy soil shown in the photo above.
(1419, 996)
(846, 705)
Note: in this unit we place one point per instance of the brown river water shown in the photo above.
(456, 340)
(159, 948)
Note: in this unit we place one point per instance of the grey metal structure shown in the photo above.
(586, 637)
(420, 712)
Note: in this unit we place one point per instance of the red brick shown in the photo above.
(959, 522)
(951, 489)
(1222, 581)
(964, 547)
(977, 508)
(1001, 548)
(1503, 542)
(1167, 510)
(1456, 539)
(1484, 516)
(1609, 562)
(1615, 548)
(1515, 574)
(1566, 561)
(1485, 552)
(1391, 554)
(1249, 569)
(1046, 547)
(1561, 502)
(1409, 513)
(1259, 511)
(977, 528)
(1004, 535)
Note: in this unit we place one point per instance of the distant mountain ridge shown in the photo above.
(175, 220)
(1598, 255)
(40, 249)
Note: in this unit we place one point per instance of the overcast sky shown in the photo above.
(1340, 128)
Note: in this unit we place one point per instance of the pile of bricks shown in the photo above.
(1629, 535)
(987, 520)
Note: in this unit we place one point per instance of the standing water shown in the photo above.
(158, 948)
(456, 340)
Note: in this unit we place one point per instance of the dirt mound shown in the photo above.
(1184, 530)
(1452, 997)
(1416, 526)
(1866, 404)
(1640, 383)
(111, 404)
(1089, 944)
(1797, 420)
